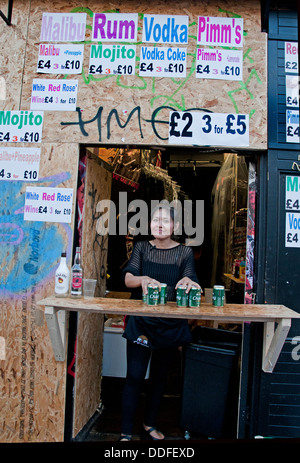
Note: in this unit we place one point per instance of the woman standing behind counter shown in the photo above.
(161, 260)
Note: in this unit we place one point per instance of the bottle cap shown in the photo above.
(63, 254)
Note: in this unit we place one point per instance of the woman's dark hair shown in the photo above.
(167, 207)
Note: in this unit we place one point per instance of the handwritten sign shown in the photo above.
(60, 59)
(112, 59)
(21, 126)
(115, 27)
(219, 64)
(19, 164)
(63, 27)
(163, 62)
(54, 94)
(45, 204)
(217, 31)
(159, 28)
(212, 129)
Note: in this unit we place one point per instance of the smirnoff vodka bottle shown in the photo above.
(62, 278)
(76, 282)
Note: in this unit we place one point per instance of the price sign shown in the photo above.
(292, 91)
(163, 62)
(19, 164)
(21, 126)
(291, 57)
(60, 59)
(54, 94)
(292, 206)
(44, 204)
(112, 59)
(216, 129)
(292, 126)
(219, 64)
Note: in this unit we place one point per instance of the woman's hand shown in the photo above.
(186, 281)
(145, 281)
(132, 281)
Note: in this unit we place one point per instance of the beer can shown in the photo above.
(181, 296)
(163, 293)
(153, 295)
(218, 295)
(194, 297)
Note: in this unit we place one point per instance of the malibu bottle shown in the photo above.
(62, 278)
(76, 282)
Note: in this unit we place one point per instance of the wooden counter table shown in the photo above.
(276, 318)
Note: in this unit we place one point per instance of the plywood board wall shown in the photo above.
(32, 383)
(136, 99)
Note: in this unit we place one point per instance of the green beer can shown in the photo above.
(163, 294)
(153, 295)
(194, 297)
(218, 295)
(181, 296)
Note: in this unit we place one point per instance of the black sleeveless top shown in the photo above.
(166, 266)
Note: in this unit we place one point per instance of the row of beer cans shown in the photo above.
(183, 299)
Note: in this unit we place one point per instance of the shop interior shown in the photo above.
(219, 178)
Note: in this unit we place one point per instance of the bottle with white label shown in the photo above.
(62, 278)
(76, 280)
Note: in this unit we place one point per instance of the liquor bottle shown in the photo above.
(62, 278)
(76, 284)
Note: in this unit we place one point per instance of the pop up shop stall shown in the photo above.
(101, 105)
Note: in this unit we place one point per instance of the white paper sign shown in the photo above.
(20, 164)
(292, 126)
(292, 91)
(217, 31)
(160, 28)
(112, 59)
(208, 129)
(60, 59)
(63, 27)
(292, 230)
(219, 64)
(43, 204)
(21, 126)
(163, 62)
(291, 57)
(115, 27)
(54, 94)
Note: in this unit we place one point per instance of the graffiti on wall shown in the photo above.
(27, 249)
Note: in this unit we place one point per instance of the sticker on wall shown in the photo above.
(292, 126)
(208, 129)
(291, 57)
(54, 94)
(19, 164)
(112, 59)
(217, 31)
(160, 28)
(60, 59)
(63, 27)
(219, 64)
(163, 62)
(21, 126)
(115, 27)
(45, 204)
